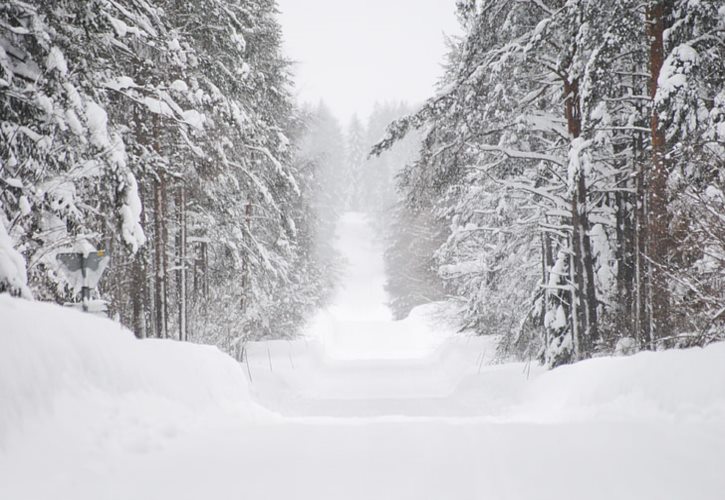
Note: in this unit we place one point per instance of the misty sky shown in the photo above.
(351, 53)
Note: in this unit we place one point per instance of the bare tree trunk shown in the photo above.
(577, 280)
(544, 281)
(181, 264)
(587, 264)
(205, 269)
(625, 203)
(585, 303)
(642, 283)
(138, 296)
(248, 210)
(658, 221)
(547, 262)
(552, 298)
(160, 257)
(625, 255)
(165, 255)
(141, 301)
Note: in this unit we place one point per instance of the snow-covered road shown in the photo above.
(371, 409)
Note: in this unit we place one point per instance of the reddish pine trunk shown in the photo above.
(658, 239)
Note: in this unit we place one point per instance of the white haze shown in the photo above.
(353, 54)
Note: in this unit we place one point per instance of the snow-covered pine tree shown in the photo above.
(542, 126)
(168, 116)
(687, 127)
(69, 165)
(412, 237)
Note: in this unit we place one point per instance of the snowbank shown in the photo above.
(60, 363)
(680, 385)
(350, 338)
(675, 386)
(12, 265)
(457, 380)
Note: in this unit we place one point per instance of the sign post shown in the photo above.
(84, 271)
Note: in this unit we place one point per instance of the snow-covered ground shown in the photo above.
(358, 324)
(363, 408)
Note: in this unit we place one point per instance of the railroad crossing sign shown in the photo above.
(83, 271)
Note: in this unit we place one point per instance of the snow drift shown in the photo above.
(57, 362)
(678, 385)
(456, 379)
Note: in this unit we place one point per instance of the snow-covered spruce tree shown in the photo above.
(687, 129)
(70, 177)
(320, 158)
(325, 185)
(167, 115)
(410, 235)
(323, 143)
(378, 180)
(472, 156)
(412, 238)
(240, 211)
(133, 54)
(542, 122)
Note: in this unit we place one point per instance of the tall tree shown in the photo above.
(658, 221)
(541, 146)
(158, 131)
